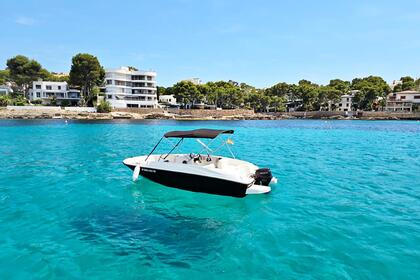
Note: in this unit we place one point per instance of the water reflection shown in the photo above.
(146, 233)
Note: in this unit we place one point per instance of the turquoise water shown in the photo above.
(347, 205)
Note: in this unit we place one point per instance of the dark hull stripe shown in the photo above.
(193, 183)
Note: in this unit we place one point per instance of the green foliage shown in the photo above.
(161, 91)
(223, 94)
(23, 71)
(53, 101)
(95, 93)
(340, 85)
(328, 96)
(187, 92)
(4, 101)
(54, 77)
(408, 83)
(280, 90)
(370, 89)
(86, 72)
(104, 107)
(398, 88)
(17, 100)
(65, 103)
(4, 76)
(37, 102)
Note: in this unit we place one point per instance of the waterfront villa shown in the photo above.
(5, 90)
(46, 91)
(130, 88)
(404, 101)
(168, 101)
(346, 102)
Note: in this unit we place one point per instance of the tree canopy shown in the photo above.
(4, 76)
(86, 72)
(369, 90)
(23, 71)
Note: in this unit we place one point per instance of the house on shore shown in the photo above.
(346, 102)
(294, 105)
(5, 90)
(47, 91)
(168, 101)
(404, 101)
(130, 88)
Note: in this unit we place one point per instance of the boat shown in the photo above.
(203, 171)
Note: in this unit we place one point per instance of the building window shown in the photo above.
(59, 87)
(109, 97)
(109, 82)
(416, 96)
(49, 88)
(38, 94)
(402, 96)
(132, 105)
(38, 86)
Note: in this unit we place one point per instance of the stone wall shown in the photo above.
(185, 112)
(359, 115)
(395, 115)
(34, 108)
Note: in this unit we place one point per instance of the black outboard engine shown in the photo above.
(263, 176)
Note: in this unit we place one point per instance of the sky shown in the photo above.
(257, 42)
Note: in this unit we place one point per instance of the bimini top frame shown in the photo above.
(196, 133)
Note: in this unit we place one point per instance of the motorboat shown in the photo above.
(204, 171)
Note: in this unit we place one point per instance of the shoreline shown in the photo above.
(198, 115)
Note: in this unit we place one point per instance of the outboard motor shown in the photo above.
(263, 176)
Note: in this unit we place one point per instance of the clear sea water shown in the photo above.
(347, 205)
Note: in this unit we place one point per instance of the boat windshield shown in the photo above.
(197, 134)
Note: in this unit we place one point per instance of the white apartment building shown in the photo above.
(46, 91)
(127, 88)
(404, 101)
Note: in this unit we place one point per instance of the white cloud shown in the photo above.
(22, 20)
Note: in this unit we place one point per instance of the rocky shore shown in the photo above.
(64, 114)
(6, 113)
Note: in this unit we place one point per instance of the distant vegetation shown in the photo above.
(371, 93)
(104, 107)
(87, 74)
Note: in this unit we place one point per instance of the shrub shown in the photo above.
(37, 102)
(18, 101)
(65, 103)
(104, 107)
(4, 101)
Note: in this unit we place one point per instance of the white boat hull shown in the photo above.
(219, 175)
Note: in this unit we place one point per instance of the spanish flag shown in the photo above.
(229, 141)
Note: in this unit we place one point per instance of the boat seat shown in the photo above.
(209, 166)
